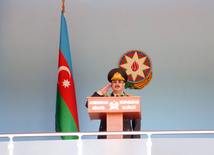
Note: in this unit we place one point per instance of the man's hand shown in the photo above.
(105, 89)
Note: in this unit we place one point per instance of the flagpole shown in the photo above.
(63, 6)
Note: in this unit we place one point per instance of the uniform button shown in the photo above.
(128, 130)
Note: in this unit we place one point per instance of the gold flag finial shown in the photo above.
(63, 6)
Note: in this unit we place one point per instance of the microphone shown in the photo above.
(122, 94)
(107, 95)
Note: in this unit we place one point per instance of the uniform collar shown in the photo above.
(112, 94)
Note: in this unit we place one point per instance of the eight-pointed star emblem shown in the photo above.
(135, 66)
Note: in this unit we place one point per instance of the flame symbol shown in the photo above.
(135, 66)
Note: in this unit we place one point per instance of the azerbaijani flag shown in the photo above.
(66, 106)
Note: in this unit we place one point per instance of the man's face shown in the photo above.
(118, 85)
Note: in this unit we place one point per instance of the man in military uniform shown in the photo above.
(117, 78)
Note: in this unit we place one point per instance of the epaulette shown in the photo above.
(128, 95)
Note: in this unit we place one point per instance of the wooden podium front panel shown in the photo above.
(114, 122)
(98, 107)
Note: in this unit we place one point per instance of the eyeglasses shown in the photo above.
(117, 81)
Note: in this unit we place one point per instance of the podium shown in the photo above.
(114, 110)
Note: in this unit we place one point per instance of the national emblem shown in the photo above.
(138, 67)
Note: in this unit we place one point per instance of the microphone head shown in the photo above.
(122, 94)
(107, 95)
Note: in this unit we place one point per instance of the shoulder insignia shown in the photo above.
(128, 95)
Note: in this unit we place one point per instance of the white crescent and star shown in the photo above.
(66, 83)
(64, 68)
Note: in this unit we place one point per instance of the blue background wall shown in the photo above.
(177, 35)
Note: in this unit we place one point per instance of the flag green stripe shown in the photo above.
(64, 119)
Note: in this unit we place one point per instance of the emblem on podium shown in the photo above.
(114, 105)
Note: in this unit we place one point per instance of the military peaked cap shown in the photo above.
(117, 74)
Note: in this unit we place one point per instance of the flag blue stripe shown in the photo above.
(64, 41)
